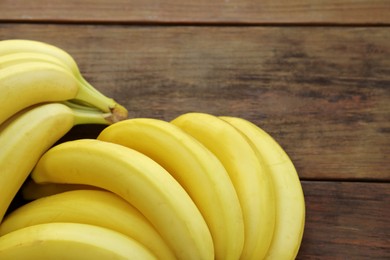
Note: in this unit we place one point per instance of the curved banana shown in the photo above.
(18, 58)
(26, 136)
(250, 179)
(23, 45)
(34, 80)
(31, 83)
(70, 241)
(140, 181)
(94, 207)
(32, 191)
(290, 202)
(199, 172)
(100, 101)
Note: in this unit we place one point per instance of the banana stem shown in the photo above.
(78, 105)
(83, 116)
(96, 99)
(90, 96)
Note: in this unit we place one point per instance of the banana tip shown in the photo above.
(118, 113)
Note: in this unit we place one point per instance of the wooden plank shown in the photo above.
(202, 11)
(322, 92)
(346, 220)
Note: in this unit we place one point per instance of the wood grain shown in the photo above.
(322, 92)
(374, 12)
(346, 220)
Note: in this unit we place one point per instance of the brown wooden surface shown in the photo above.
(322, 91)
(201, 11)
(346, 220)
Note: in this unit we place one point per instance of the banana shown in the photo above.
(290, 202)
(94, 207)
(100, 100)
(250, 178)
(200, 173)
(31, 83)
(32, 191)
(18, 58)
(10, 46)
(26, 136)
(140, 181)
(70, 241)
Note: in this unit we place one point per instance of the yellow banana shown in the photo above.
(99, 100)
(26, 136)
(250, 178)
(290, 202)
(198, 170)
(31, 83)
(94, 207)
(19, 58)
(140, 181)
(10, 46)
(70, 241)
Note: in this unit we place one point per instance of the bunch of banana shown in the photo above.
(33, 72)
(271, 198)
(197, 187)
(204, 187)
(42, 96)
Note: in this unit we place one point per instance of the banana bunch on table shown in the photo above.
(197, 187)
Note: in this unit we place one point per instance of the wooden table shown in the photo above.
(314, 74)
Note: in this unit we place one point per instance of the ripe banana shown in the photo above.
(26, 136)
(198, 170)
(31, 83)
(99, 100)
(290, 203)
(250, 178)
(140, 181)
(70, 241)
(22, 45)
(94, 207)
